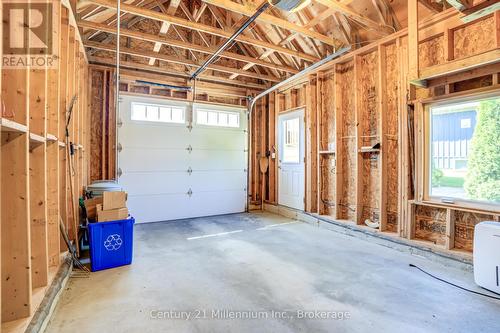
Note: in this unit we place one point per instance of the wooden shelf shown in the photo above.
(62, 144)
(36, 140)
(12, 126)
(51, 137)
(371, 150)
(326, 152)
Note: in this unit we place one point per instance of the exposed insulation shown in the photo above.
(475, 38)
(430, 224)
(464, 228)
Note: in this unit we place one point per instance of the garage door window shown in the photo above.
(158, 113)
(217, 118)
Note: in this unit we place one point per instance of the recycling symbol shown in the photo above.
(113, 242)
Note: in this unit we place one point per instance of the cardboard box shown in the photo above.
(91, 207)
(112, 214)
(114, 200)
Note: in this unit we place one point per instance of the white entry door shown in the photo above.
(291, 147)
(181, 161)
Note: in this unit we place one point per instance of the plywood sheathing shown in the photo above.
(475, 38)
(369, 136)
(347, 150)
(391, 137)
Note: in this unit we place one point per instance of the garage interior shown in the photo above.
(291, 166)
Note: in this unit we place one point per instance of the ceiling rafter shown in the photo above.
(269, 19)
(148, 68)
(177, 60)
(183, 45)
(172, 8)
(202, 27)
(344, 9)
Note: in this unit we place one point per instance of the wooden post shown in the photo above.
(413, 60)
(382, 109)
(359, 162)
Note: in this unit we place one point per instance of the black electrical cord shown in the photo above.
(454, 285)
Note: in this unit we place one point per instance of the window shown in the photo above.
(218, 118)
(158, 113)
(291, 146)
(464, 148)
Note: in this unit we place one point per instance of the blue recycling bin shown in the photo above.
(111, 243)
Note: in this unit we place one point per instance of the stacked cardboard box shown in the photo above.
(110, 207)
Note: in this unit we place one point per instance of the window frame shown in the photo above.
(424, 151)
(208, 110)
(159, 106)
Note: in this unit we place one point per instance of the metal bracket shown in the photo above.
(190, 192)
(119, 172)
(119, 147)
(189, 149)
(119, 123)
(190, 171)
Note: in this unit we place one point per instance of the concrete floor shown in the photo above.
(265, 268)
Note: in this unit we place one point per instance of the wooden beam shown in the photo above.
(172, 8)
(153, 15)
(184, 45)
(485, 8)
(269, 19)
(341, 8)
(176, 60)
(147, 68)
(413, 61)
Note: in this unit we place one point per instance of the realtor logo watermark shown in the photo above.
(28, 36)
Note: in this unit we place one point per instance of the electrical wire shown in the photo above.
(454, 285)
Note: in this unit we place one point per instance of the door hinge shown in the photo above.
(119, 172)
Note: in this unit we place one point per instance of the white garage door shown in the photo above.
(178, 161)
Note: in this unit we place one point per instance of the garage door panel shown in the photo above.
(217, 160)
(156, 183)
(154, 161)
(215, 138)
(141, 159)
(218, 180)
(219, 202)
(146, 136)
(154, 208)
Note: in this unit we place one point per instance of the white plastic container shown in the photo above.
(99, 186)
(487, 255)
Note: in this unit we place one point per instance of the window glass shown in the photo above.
(138, 111)
(157, 113)
(165, 114)
(212, 118)
(177, 115)
(465, 151)
(291, 147)
(201, 117)
(217, 118)
(152, 113)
